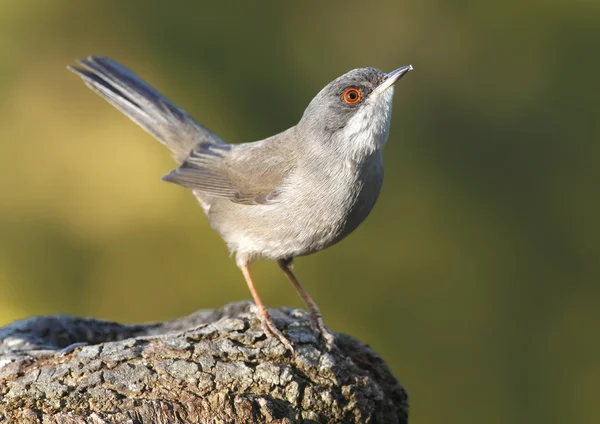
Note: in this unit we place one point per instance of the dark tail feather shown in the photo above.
(144, 105)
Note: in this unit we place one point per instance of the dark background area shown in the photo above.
(475, 277)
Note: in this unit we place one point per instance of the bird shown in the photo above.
(289, 195)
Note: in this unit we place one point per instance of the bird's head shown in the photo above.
(353, 112)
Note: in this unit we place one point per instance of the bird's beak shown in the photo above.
(391, 78)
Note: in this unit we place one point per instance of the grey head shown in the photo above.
(352, 113)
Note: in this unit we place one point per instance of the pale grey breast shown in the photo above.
(318, 205)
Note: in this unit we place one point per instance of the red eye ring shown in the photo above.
(352, 96)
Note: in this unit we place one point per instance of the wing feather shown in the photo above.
(249, 173)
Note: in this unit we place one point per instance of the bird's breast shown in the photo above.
(333, 200)
(317, 206)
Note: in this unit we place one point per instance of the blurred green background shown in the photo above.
(476, 276)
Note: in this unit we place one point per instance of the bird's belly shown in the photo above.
(296, 225)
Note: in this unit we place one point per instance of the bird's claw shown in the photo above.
(270, 329)
(319, 327)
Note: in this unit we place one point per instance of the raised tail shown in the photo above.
(144, 105)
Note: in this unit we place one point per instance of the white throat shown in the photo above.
(368, 130)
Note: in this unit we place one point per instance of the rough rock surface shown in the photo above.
(210, 367)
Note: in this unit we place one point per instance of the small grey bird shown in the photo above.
(289, 195)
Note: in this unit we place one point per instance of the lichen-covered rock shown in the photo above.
(211, 367)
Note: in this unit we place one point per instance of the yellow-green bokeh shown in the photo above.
(477, 274)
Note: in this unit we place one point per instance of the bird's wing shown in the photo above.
(144, 105)
(250, 173)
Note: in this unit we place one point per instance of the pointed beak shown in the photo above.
(391, 78)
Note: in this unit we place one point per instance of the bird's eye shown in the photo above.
(352, 96)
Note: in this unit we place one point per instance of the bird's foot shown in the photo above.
(271, 330)
(319, 326)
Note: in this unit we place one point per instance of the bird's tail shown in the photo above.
(144, 105)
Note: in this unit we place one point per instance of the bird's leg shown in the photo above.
(317, 318)
(263, 314)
